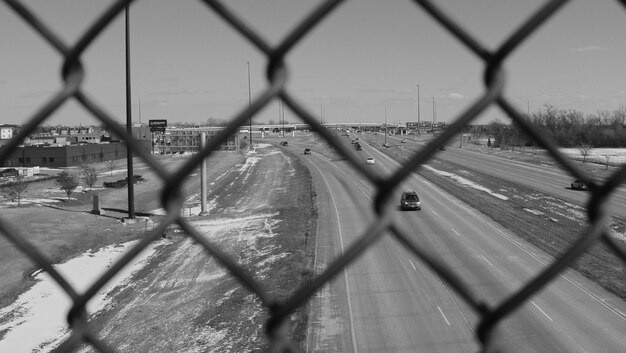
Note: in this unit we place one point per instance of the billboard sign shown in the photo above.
(425, 125)
(157, 125)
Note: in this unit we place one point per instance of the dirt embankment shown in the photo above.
(263, 216)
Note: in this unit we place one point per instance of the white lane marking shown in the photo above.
(443, 315)
(435, 213)
(487, 261)
(345, 271)
(538, 308)
(411, 262)
(519, 245)
(455, 232)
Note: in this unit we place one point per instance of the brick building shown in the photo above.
(69, 155)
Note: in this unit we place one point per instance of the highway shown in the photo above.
(544, 178)
(388, 301)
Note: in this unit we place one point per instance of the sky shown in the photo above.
(363, 63)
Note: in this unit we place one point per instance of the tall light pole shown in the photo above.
(385, 126)
(434, 114)
(250, 102)
(282, 113)
(129, 126)
(418, 109)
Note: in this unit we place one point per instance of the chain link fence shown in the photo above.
(276, 327)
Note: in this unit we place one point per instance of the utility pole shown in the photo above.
(434, 113)
(250, 102)
(385, 126)
(321, 114)
(203, 178)
(418, 109)
(129, 127)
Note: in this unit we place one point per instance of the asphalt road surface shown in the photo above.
(389, 301)
(545, 178)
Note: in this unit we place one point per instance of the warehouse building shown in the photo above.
(69, 155)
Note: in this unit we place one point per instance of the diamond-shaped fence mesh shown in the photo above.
(382, 225)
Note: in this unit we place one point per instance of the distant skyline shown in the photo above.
(367, 57)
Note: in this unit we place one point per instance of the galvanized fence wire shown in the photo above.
(277, 327)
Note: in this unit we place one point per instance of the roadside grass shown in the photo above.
(56, 239)
(62, 229)
(595, 166)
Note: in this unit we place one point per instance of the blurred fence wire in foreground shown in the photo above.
(494, 61)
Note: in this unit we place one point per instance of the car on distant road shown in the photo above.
(410, 201)
(307, 151)
(370, 160)
(284, 143)
(579, 185)
(386, 145)
(403, 141)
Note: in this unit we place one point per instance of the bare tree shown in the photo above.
(585, 150)
(607, 158)
(111, 165)
(67, 182)
(15, 189)
(89, 174)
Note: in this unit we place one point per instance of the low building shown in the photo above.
(177, 140)
(67, 148)
(69, 155)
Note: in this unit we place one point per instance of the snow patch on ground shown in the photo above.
(616, 156)
(36, 321)
(465, 182)
(535, 212)
(245, 232)
(290, 168)
(262, 145)
(617, 235)
(246, 169)
(539, 213)
(218, 229)
(191, 208)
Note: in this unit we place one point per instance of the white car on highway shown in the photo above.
(370, 160)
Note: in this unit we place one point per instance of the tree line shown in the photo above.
(565, 128)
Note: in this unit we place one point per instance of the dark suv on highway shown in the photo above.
(410, 201)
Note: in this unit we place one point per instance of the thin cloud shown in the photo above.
(451, 95)
(36, 94)
(588, 48)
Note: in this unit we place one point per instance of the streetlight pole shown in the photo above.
(250, 102)
(434, 112)
(129, 127)
(282, 114)
(418, 109)
(385, 126)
